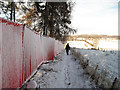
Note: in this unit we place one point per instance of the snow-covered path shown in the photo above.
(64, 72)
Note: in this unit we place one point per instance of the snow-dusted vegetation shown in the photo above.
(101, 65)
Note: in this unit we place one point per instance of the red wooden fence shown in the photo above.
(21, 52)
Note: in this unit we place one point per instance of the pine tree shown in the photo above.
(49, 18)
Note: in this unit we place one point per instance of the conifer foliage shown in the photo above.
(49, 18)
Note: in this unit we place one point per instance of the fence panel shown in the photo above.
(11, 54)
(58, 47)
(27, 53)
(21, 52)
(0, 54)
(50, 47)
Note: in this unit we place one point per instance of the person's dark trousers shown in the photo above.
(67, 51)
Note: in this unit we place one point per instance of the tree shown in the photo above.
(8, 9)
(5, 9)
(56, 16)
(48, 18)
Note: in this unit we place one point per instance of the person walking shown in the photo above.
(67, 48)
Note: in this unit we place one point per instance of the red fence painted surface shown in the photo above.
(0, 55)
(21, 51)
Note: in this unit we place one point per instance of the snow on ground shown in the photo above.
(64, 72)
(106, 60)
(104, 65)
(101, 44)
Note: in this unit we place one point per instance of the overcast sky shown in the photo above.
(95, 17)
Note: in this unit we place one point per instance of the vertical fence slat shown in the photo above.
(0, 55)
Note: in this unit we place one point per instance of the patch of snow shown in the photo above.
(63, 72)
(106, 61)
(79, 44)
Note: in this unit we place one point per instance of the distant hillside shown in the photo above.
(94, 36)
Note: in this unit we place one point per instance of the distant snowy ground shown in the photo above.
(102, 44)
(109, 44)
(79, 44)
(64, 72)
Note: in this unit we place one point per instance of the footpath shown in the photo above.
(64, 72)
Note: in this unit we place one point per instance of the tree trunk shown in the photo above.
(11, 14)
(44, 27)
(51, 26)
(12, 9)
(45, 19)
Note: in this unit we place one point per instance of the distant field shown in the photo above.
(103, 44)
(109, 44)
(95, 36)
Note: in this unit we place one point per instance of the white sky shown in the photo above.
(95, 17)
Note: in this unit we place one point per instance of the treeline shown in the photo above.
(48, 18)
(94, 36)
